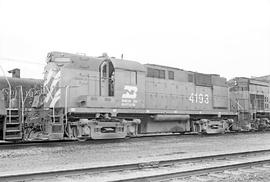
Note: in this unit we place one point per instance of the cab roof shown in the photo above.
(92, 63)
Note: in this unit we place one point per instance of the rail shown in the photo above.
(147, 165)
(195, 172)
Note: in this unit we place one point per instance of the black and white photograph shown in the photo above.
(134, 90)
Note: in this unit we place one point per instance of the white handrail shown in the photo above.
(9, 92)
(22, 100)
(66, 105)
(22, 105)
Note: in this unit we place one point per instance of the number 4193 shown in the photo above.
(199, 98)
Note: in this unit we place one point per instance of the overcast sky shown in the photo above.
(226, 37)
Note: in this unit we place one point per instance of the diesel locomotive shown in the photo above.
(250, 99)
(17, 100)
(104, 97)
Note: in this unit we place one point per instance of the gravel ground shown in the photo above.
(250, 177)
(260, 176)
(241, 177)
(98, 153)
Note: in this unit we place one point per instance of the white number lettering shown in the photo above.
(206, 100)
(191, 98)
(199, 98)
(196, 98)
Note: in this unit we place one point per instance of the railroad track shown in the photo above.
(211, 171)
(15, 145)
(153, 170)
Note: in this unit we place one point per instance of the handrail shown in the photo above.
(9, 91)
(22, 105)
(53, 106)
(66, 104)
(66, 108)
(22, 100)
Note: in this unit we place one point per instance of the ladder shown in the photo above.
(56, 126)
(12, 126)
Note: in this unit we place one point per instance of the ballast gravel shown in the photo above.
(55, 156)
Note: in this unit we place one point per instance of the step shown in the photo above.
(12, 131)
(12, 116)
(13, 138)
(12, 123)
